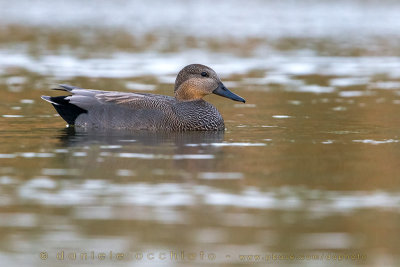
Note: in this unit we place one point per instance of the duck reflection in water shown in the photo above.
(106, 150)
(79, 136)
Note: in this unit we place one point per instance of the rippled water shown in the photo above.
(308, 167)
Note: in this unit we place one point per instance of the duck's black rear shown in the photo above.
(69, 112)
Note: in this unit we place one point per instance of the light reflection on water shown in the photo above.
(308, 165)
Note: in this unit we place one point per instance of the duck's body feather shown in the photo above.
(137, 111)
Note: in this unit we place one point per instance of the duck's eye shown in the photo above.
(204, 74)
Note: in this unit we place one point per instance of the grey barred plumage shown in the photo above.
(187, 111)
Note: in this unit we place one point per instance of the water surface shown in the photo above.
(308, 167)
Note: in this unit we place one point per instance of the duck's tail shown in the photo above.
(66, 87)
(69, 112)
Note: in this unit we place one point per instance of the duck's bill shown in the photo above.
(223, 91)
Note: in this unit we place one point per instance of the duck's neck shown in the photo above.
(188, 93)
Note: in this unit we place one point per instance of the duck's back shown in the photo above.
(127, 110)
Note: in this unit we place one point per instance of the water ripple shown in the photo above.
(376, 142)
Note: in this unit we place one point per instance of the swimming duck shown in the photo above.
(187, 111)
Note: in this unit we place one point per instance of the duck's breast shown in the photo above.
(197, 115)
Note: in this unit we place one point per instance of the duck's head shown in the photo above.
(196, 81)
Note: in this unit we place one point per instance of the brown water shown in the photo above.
(307, 168)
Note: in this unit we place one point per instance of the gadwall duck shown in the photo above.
(187, 111)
